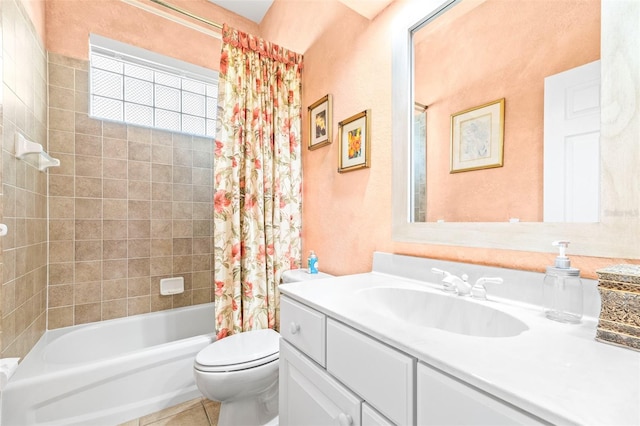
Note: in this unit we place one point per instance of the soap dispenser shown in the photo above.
(563, 289)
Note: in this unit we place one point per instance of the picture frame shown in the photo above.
(477, 137)
(320, 122)
(354, 137)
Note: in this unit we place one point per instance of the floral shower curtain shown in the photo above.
(258, 173)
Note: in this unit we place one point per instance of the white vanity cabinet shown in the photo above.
(443, 400)
(309, 394)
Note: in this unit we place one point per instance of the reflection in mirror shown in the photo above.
(615, 233)
(482, 50)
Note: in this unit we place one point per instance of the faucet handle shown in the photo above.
(478, 291)
(440, 272)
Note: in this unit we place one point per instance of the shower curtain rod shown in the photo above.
(139, 4)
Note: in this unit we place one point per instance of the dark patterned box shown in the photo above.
(619, 323)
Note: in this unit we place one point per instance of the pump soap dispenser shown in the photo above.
(563, 289)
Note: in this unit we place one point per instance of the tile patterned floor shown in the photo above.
(197, 412)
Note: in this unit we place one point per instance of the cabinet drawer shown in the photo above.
(310, 396)
(371, 417)
(304, 328)
(440, 398)
(381, 375)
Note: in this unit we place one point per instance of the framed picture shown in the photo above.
(320, 123)
(477, 137)
(355, 146)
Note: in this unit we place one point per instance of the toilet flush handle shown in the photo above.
(294, 328)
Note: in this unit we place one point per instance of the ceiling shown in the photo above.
(256, 9)
(250, 9)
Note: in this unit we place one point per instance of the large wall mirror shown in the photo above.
(460, 65)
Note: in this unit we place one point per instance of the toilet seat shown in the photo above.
(239, 352)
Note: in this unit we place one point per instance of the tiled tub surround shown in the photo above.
(128, 207)
(556, 372)
(23, 207)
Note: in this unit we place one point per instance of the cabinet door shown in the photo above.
(381, 375)
(309, 396)
(371, 417)
(443, 400)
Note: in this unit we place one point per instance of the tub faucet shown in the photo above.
(454, 284)
(478, 291)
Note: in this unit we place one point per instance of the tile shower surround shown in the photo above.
(127, 207)
(23, 254)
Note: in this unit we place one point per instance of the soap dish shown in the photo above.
(169, 286)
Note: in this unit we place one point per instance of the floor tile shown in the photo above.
(195, 416)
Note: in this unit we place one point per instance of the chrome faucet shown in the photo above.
(454, 284)
(478, 291)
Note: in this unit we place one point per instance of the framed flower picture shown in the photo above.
(477, 137)
(355, 146)
(320, 122)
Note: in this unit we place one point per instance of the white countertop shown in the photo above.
(555, 371)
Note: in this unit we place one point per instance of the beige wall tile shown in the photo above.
(161, 209)
(61, 207)
(161, 228)
(115, 148)
(114, 130)
(114, 168)
(139, 268)
(182, 246)
(201, 295)
(90, 312)
(88, 250)
(87, 229)
(162, 154)
(114, 269)
(183, 299)
(63, 142)
(183, 192)
(161, 173)
(138, 305)
(60, 317)
(61, 273)
(159, 302)
(88, 166)
(182, 210)
(138, 286)
(182, 264)
(139, 170)
(201, 280)
(61, 229)
(112, 309)
(139, 190)
(139, 209)
(139, 228)
(161, 266)
(139, 134)
(87, 292)
(114, 249)
(87, 125)
(140, 248)
(88, 208)
(88, 271)
(114, 188)
(61, 186)
(60, 251)
(161, 191)
(88, 187)
(139, 151)
(182, 228)
(114, 289)
(115, 229)
(60, 97)
(88, 145)
(61, 119)
(114, 209)
(62, 76)
(67, 164)
(159, 137)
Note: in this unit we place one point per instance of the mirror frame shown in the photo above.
(617, 234)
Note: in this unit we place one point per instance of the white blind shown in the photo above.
(135, 86)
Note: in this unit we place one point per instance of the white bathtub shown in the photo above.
(109, 372)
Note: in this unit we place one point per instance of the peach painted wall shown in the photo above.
(69, 23)
(498, 53)
(346, 217)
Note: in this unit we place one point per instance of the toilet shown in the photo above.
(241, 371)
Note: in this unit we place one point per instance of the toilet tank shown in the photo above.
(295, 275)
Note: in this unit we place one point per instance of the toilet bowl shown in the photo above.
(241, 372)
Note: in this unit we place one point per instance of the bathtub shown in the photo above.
(109, 372)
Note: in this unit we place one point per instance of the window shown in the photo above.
(136, 86)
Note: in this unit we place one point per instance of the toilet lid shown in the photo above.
(240, 351)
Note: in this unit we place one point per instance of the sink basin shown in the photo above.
(442, 311)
